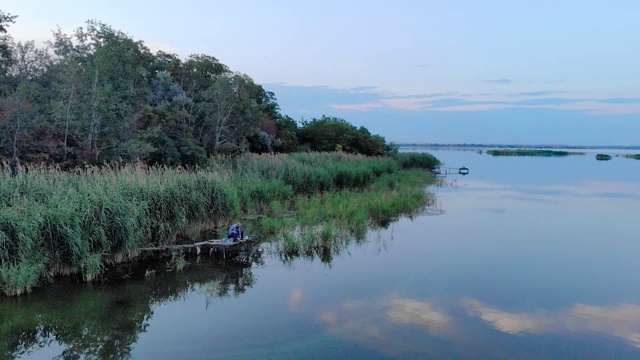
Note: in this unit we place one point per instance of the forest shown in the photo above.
(97, 96)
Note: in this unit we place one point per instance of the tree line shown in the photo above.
(97, 95)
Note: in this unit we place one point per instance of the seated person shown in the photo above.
(235, 232)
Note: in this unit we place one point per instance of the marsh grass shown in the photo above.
(325, 224)
(633, 156)
(416, 160)
(55, 223)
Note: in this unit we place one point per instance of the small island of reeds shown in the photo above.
(603, 157)
(633, 156)
(532, 152)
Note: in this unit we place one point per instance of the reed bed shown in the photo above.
(416, 160)
(326, 223)
(55, 222)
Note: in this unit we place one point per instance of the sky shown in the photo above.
(417, 71)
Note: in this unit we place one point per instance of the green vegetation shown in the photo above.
(604, 157)
(633, 156)
(106, 148)
(416, 160)
(60, 223)
(97, 95)
(532, 152)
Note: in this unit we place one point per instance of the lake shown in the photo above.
(525, 257)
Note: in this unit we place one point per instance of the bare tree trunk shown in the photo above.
(15, 141)
(16, 133)
(95, 118)
(66, 127)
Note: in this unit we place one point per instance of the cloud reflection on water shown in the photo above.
(621, 321)
(376, 322)
(591, 188)
(409, 311)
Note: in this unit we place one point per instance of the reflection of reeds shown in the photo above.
(532, 152)
(59, 223)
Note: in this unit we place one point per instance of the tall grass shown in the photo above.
(416, 160)
(327, 223)
(60, 223)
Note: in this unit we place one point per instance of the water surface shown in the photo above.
(525, 257)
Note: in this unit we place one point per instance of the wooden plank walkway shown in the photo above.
(212, 244)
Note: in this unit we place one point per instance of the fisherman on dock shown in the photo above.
(235, 232)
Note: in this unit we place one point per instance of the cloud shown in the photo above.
(621, 101)
(357, 107)
(158, 46)
(597, 107)
(535, 93)
(498, 81)
(475, 107)
(322, 99)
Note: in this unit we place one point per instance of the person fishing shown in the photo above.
(235, 232)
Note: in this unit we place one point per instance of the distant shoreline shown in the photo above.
(516, 146)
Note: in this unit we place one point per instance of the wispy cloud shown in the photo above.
(498, 81)
(473, 107)
(597, 107)
(535, 93)
(358, 107)
(428, 103)
(157, 46)
(320, 99)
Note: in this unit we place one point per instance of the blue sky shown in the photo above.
(492, 71)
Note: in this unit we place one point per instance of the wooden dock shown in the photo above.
(212, 245)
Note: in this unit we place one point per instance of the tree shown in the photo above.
(23, 107)
(226, 113)
(5, 40)
(286, 135)
(110, 85)
(326, 133)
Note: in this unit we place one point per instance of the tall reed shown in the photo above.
(59, 223)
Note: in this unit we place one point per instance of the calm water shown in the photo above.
(525, 257)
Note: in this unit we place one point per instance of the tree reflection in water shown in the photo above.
(104, 321)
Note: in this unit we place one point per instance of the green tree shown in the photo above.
(286, 135)
(5, 40)
(326, 133)
(23, 105)
(114, 88)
